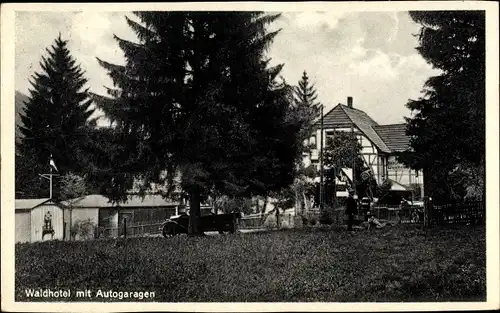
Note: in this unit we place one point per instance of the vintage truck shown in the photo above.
(222, 223)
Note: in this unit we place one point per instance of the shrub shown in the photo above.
(326, 218)
(270, 222)
(83, 229)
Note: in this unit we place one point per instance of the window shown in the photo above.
(312, 140)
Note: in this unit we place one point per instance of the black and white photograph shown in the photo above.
(287, 154)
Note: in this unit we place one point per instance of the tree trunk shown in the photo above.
(278, 220)
(194, 212)
(266, 199)
(70, 221)
(214, 205)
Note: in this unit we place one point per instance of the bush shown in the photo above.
(309, 218)
(326, 218)
(83, 230)
(270, 222)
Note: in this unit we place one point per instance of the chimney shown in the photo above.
(349, 102)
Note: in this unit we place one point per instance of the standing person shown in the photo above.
(351, 209)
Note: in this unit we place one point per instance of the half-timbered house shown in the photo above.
(379, 145)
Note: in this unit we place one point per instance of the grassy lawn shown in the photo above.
(402, 263)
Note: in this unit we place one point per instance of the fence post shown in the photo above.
(426, 213)
(125, 228)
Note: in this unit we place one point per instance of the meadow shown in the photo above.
(400, 263)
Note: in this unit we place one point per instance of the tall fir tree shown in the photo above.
(56, 121)
(448, 127)
(309, 110)
(197, 100)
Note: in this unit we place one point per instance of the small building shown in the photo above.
(109, 216)
(38, 219)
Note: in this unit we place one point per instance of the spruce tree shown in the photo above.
(447, 129)
(56, 119)
(197, 100)
(309, 109)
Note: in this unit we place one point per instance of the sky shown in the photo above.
(369, 56)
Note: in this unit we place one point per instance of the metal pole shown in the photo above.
(50, 180)
(354, 160)
(321, 169)
(334, 204)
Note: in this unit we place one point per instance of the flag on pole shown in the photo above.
(52, 164)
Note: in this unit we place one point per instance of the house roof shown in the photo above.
(100, 201)
(343, 116)
(394, 136)
(28, 204)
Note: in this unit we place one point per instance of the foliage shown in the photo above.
(284, 199)
(73, 187)
(198, 101)
(449, 119)
(341, 150)
(19, 100)
(27, 181)
(56, 120)
(467, 182)
(405, 264)
(229, 204)
(383, 188)
(82, 229)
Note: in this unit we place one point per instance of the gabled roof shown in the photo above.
(342, 116)
(335, 118)
(28, 204)
(394, 136)
(100, 201)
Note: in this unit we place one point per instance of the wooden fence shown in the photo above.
(130, 230)
(252, 222)
(469, 212)
(408, 215)
(257, 221)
